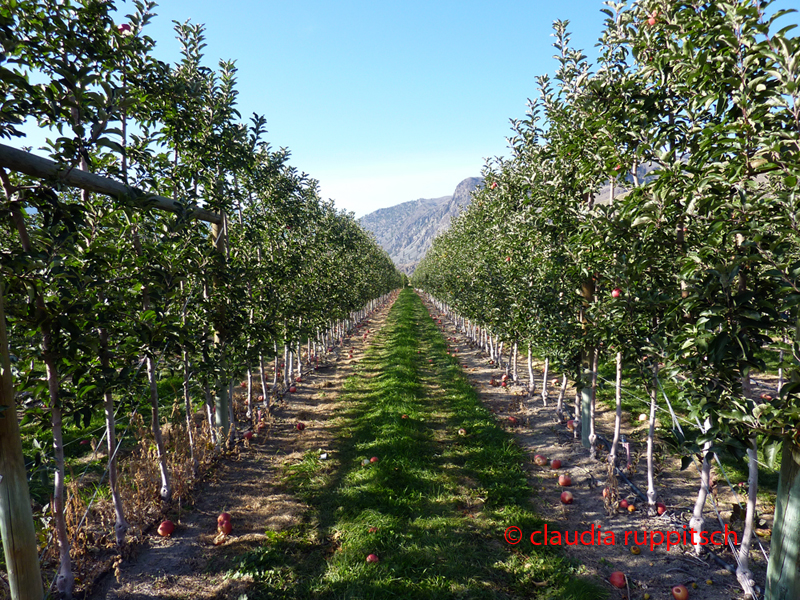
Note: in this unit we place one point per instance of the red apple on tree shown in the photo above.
(616, 293)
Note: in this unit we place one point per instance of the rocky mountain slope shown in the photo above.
(406, 230)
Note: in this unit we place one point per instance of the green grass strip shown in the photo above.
(435, 505)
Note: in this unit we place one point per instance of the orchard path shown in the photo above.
(248, 485)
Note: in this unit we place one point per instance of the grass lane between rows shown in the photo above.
(435, 505)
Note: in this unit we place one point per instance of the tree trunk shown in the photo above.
(696, 522)
(16, 518)
(560, 401)
(531, 380)
(544, 380)
(651, 432)
(263, 377)
(783, 571)
(210, 413)
(249, 398)
(166, 488)
(743, 573)
(187, 404)
(612, 455)
(286, 365)
(592, 405)
(120, 524)
(514, 376)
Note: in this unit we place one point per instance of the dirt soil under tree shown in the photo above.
(248, 485)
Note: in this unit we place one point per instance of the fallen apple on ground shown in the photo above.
(566, 497)
(661, 508)
(374, 459)
(225, 527)
(679, 592)
(166, 528)
(555, 464)
(300, 426)
(540, 460)
(623, 503)
(617, 579)
(372, 558)
(565, 480)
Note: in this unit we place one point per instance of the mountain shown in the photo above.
(406, 230)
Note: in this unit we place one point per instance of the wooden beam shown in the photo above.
(43, 168)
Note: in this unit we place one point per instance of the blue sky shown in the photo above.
(384, 102)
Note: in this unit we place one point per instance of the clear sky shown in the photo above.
(384, 102)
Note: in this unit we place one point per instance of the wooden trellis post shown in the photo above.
(16, 517)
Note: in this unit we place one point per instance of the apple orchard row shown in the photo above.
(645, 222)
(105, 296)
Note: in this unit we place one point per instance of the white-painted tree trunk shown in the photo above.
(210, 411)
(263, 378)
(697, 522)
(743, 573)
(514, 376)
(65, 580)
(249, 399)
(560, 401)
(187, 404)
(651, 432)
(544, 380)
(161, 455)
(531, 379)
(286, 365)
(612, 455)
(592, 404)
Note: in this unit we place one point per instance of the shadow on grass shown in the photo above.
(433, 505)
